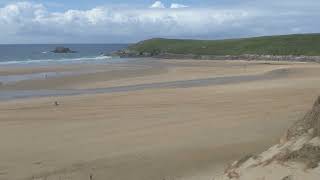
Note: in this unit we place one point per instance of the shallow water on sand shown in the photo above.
(18, 94)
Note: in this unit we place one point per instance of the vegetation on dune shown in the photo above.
(297, 44)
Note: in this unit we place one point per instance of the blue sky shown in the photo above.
(122, 21)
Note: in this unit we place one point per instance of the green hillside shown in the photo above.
(298, 44)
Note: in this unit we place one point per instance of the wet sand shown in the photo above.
(181, 128)
(21, 94)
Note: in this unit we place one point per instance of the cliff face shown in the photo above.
(127, 53)
(297, 156)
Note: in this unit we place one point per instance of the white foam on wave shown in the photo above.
(31, 61)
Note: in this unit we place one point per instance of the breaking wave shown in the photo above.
(82, 59)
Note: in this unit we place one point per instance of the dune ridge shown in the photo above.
(297, 156)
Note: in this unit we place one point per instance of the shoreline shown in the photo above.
(247, 57)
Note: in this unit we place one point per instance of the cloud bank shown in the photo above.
(27, 22)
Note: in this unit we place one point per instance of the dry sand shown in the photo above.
(178, 133)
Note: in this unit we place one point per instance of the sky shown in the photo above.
(128, 21)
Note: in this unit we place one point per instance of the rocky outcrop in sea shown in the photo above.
(63, 50)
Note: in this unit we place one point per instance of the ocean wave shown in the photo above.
(31, 61)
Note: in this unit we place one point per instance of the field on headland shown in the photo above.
(189, 129)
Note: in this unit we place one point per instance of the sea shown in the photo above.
(41, 54)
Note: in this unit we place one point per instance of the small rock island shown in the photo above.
(63, 50)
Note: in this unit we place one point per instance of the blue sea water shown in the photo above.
(23, 54)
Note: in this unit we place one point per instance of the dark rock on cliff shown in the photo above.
(127, 53)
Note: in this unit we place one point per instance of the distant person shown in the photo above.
(56, 103)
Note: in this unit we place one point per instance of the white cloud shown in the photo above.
(29, 19)
(177, 6)
(158, 4)
(33, 23)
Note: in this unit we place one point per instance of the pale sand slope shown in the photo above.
(297, 156)
(183, 133)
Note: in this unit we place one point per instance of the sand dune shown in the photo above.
(296, 156)
(160, 133)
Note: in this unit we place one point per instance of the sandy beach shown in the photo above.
(187, 120)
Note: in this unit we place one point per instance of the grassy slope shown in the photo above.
(303, 44)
